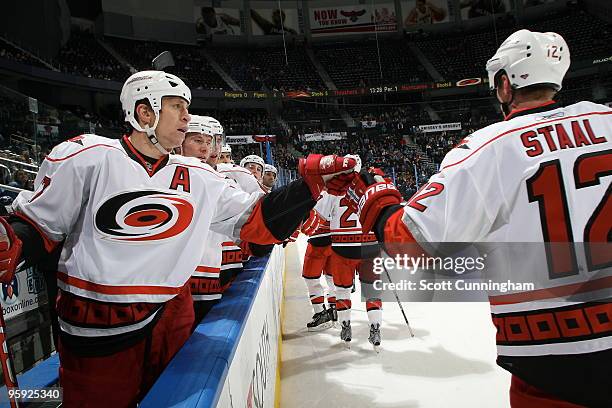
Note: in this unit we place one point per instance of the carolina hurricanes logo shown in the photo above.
(142, 216)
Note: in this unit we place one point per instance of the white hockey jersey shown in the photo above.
(347, 236)
(221, 255)
(133, 231)
(541, 176)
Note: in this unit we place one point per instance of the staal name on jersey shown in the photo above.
(559, 136)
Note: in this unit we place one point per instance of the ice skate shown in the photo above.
(374, 338)
(333, 315)
(320, 321)
(346, 334)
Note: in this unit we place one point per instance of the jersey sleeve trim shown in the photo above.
(59, 159)
(517, 129)
(554, 292)
(211, 269)
(117, 289)
(48, 242)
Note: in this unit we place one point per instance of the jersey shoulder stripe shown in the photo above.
(458, 155)
(72, 147)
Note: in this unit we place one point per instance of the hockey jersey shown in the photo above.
(347, 236)
(541, 177)
(221, 257)
(232, 256)
(133, 230)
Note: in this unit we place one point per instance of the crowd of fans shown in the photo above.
(270, 68)
(461, 55)
(84, 56)
(352, 65)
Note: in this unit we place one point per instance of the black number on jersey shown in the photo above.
(547, 188)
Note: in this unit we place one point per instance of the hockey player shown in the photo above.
(353, 250)
(542, 176)
(133, 219)
(232, 253)
(269, 176)
(317, 260)
(226, 154)
(204, 284)
(254, 164)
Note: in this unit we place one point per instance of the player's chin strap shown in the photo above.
(153, 139)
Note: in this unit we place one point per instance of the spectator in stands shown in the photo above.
(21, 180)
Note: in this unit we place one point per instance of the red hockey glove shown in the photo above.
(332, 173)
(370, 193)
(312, 223)
(10, 251)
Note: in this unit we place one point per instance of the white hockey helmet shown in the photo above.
(252, 158)
(199, 124)
(217, 130)
(226, 149)
(269, 167)
(152, 86)
(530, 58)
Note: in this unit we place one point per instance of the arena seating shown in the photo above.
(355, 64)
(191, 65)
(255, 68)
(464, 55)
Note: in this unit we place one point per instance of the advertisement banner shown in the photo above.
(247, 139)
(482, 8)
(416, 12)
(359, 18)
(272, 20)
(440, 127)
(368, 124)
(211, 21)
(48, 131)
(320, 136)
(25, 292)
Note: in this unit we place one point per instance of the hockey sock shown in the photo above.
(343, 304)
(374, 308)
(331, 290)
(315, 291)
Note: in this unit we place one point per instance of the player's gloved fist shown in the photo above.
(370, 193)
(312, 223)
(10, 251)
(332, 173)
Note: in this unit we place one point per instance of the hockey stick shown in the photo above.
(398, 301)
(10, 379)
(162, 61)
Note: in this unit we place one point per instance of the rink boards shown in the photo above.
(231, 360)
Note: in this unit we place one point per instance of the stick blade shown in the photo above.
(162, 61)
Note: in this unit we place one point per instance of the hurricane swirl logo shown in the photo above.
(141, 216)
